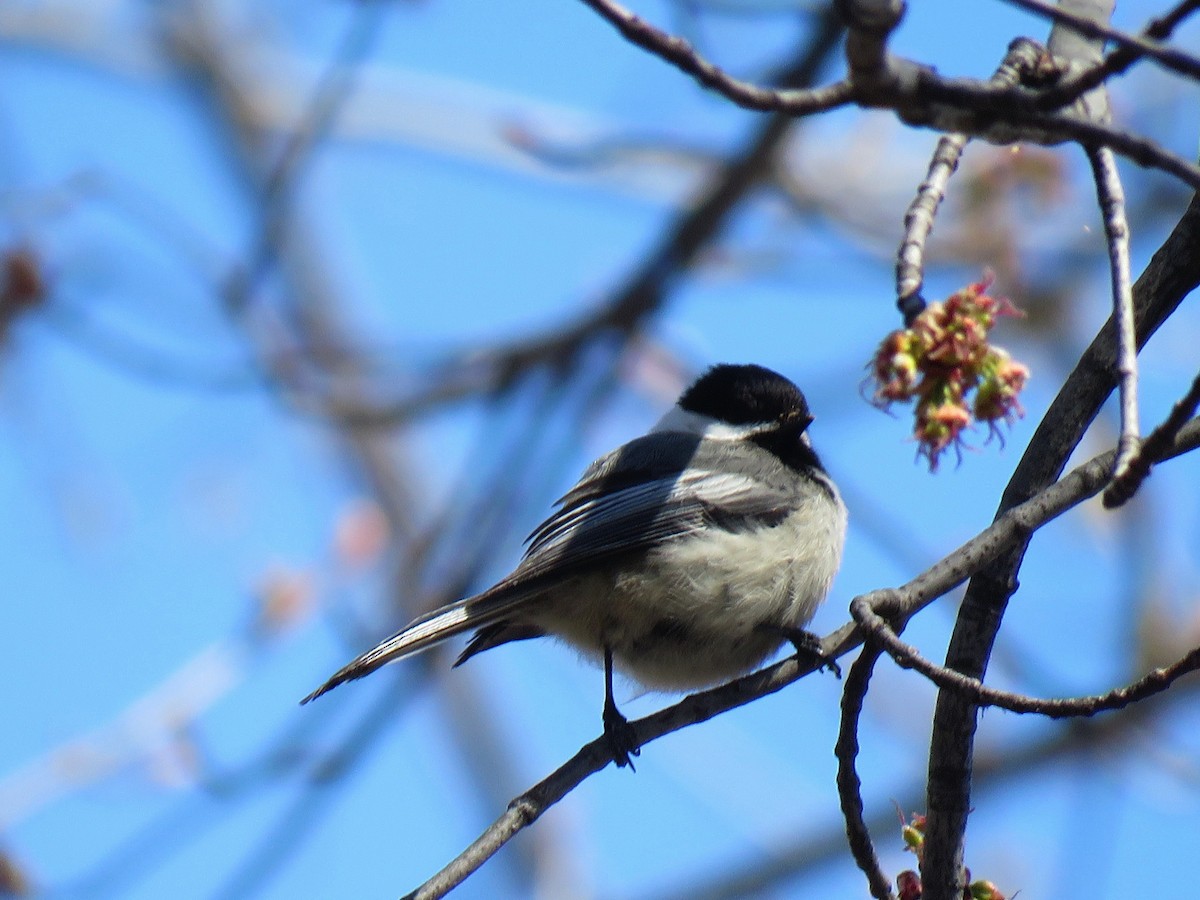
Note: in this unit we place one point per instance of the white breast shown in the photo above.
(699, 610)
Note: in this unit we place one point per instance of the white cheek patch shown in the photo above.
(681, 420)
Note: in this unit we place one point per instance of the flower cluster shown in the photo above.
(908, 882)
(943, 358)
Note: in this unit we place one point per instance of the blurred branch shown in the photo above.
(331, 92)
(644, 290)
(150, 734)
(283, 839)
(162, 368)
(198, 40)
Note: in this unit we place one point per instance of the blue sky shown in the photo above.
(143, 511)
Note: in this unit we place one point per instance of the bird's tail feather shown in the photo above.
(432, 628)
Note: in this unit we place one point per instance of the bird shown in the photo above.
(684, 558)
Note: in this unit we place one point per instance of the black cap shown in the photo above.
(745, 395)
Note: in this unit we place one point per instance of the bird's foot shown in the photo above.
(808, 649)
(621, 739)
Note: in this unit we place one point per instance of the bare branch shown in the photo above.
(1172, 273)
(681, 54)
(918, 221)
(595, 756)
(1111, 196)
(849, 785)
(918, 224)
(1169, 57)
(909, 657)
(1125, 485)
(916, 93)
(998, 769)
(926, 107)
(1115, 63)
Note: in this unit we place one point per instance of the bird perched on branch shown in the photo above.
(684, 558)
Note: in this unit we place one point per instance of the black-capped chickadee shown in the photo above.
(685, 557)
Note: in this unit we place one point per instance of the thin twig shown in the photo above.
(918, 223)
(1125, 485)
(1111, 196)
(1169, 57)
(679, 53)
(333, 89)
(849, 785)
(1115, 63)
(1039, 128)
(129, 355)
(909, 657)
(918, 220)
(916, 93)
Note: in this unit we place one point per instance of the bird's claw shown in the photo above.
(621, 738)
(808, 649)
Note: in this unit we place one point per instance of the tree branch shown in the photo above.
(918, 224)
(1116, 227)
(681, 54)
(916, 93)
(1115, 63)
(1134, 45)
(849, 785)
(909, 657)
(1151, 451)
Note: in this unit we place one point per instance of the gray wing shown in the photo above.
(634, 498)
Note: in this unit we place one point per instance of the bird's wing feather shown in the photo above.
(433, 628)
(594, 526)
(626, 502)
